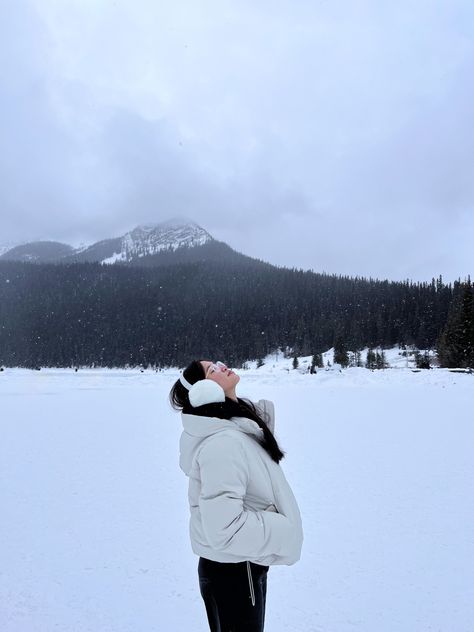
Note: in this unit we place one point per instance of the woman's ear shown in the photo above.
(205, 392)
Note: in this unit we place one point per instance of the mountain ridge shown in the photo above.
(139, 244)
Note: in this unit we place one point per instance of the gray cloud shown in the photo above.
(331, 136)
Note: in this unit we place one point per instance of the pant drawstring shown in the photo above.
(252, 593)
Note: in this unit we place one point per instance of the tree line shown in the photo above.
(88, 314)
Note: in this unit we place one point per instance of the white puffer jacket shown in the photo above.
(242, 507)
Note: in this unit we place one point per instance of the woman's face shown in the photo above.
(224, 377)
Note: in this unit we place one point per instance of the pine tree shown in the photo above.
(456, 344)
(340, 352)
(316, 362)
(422, 360)
(380, 360)
(371, 359)
(295, 362)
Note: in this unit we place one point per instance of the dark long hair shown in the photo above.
(223, 410)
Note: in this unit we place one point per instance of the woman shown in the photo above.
(244, 516)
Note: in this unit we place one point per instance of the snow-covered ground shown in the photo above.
(94, 515)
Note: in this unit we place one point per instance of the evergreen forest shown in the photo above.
(89, 314)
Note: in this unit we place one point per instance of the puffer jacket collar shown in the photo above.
(198, 428)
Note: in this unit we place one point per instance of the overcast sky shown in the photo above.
(332, 135)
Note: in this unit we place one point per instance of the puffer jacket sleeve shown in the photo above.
(226, 524)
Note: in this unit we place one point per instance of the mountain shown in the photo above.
(38, 252)
(176, 240)
(5, 248)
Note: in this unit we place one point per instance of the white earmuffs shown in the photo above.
(206, 392)
(203, 392)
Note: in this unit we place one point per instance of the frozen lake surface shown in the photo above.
(94, 524)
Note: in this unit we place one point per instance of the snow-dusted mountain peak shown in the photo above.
(5, 248)
(150, 239)
(140, 242)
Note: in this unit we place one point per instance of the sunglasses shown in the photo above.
(216, 366)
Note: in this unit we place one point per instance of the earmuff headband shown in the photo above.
(184, 382)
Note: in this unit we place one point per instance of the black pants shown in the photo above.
(234, 601)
